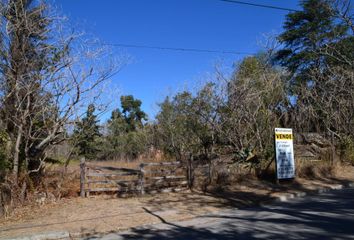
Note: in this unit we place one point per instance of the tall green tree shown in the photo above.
(126, 134)
(183, 125)
(86, 133)
(131, 109)
(117, 124)
(313, 38)
(319, 53)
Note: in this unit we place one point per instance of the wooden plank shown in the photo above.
(88, 184)
(111, 181)
(82, 177)
(135, 189)
(190, 172)
(141, 179)
(113, 169)
(162, 164)
(168, 177)
(162, 171)
(113, 189)
(161, 183)
(95, 174)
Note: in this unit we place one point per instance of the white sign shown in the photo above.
(284, 153)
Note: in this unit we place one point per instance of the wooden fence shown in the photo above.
(150, 177)
(163, 176)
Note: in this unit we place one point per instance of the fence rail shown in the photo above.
(150, 177)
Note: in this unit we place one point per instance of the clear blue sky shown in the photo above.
(205, 24)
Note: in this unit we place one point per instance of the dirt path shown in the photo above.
(100, 214)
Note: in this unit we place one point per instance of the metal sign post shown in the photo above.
(284, 153)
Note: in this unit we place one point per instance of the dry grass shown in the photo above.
(317, 169)
(305, 169)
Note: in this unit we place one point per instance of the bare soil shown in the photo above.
(102, 214)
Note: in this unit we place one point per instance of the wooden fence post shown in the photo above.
(141, 176)
(87, 172)
(190, 172)
(82, 176)
(333, 149)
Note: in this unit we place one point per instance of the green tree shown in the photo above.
(314, 38)
(86, 134)
(131, 109)
(182, 133)
(319, 53)
(126, 134)
(117, 124)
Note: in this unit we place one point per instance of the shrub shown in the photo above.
(347, 150)
(4, 140)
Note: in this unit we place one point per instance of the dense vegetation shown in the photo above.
(307, 83)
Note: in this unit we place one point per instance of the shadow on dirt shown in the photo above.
(253, 193)
(328, 216)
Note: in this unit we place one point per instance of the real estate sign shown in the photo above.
(284, 153)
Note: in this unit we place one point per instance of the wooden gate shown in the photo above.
(162, 177)
(150, 178)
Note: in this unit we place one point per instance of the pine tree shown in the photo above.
(319, 53)
(131, 108)
(86, 133)
(313, 39)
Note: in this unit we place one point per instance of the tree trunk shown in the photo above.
(210, 171)
(190, 172)
(15, 169)
(23, 191)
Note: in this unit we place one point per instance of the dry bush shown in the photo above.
(223, 178)
(251, 103)
(5, 200)
(347, 150)
(328, 105)
(224, 174)
(316, 169)
(61, 185)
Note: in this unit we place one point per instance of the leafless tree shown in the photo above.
(49, 74)
(328, 104)
(252, 103)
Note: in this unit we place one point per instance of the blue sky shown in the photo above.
(204, 24)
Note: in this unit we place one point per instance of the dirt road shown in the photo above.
(327, 216)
